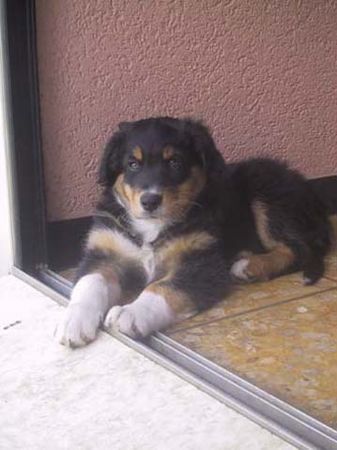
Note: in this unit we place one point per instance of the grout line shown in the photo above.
(249, 311)
(328, 277)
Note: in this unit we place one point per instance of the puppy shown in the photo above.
(175, 225)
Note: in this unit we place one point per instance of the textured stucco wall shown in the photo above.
(263, 75)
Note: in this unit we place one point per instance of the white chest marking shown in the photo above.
(147, 257)
(149, 229)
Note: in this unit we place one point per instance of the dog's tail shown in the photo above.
(314, 266)
(333, 223)
(313, 271)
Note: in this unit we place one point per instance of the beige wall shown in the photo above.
(262, 73)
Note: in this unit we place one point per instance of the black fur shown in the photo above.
(203, 276)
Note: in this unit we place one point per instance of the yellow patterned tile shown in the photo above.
(290, 350)
(331, 266)
(331, 261)
(257, 295)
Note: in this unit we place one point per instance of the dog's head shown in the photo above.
(157, 167)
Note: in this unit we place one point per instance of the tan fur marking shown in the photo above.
(108, 241)
(108, 272)
(261, 221)
(177, 247)
(130, 197)
(263, 267)
(133, 197)
(176, 202)
(137, 153)
(168, 152)
(119, 187)
(112, 275)
(121, 254)
(103, 240)
(179, 302)
(169, 256)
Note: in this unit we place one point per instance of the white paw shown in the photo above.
(145, 315)
(124, 320)
(90, 299)
(239, 270)
(78, 327)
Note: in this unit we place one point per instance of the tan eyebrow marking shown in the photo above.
(168, 152)
(137, 153)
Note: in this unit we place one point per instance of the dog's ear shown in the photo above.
(204, 145)
(126, 126)
(111, 163)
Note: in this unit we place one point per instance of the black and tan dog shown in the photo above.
(175, 225)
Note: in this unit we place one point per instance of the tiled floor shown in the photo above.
(280, 335)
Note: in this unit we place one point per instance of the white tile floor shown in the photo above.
(105, 396)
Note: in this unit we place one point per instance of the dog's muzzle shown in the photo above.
(151, 201)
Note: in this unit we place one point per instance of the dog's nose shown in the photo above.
(150, 201)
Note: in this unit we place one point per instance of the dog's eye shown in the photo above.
(133, 164)
(175, 163)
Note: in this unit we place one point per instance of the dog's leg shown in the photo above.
(195, 277)
(195, 283)
(91, 298)
(265, 266)
(278, 257)
(109, 275)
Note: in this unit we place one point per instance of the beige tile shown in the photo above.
(257, 295)
(331, 266)
(289, 350)
(331, 260)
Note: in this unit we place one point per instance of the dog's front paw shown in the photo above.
(147, 314)
(124, 319)
(78, 327)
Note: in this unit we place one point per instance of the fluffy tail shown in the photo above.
(314, 266)
(333, 223)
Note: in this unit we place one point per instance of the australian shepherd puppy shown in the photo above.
(175, 226)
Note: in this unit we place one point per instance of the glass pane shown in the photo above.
(263, 78)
